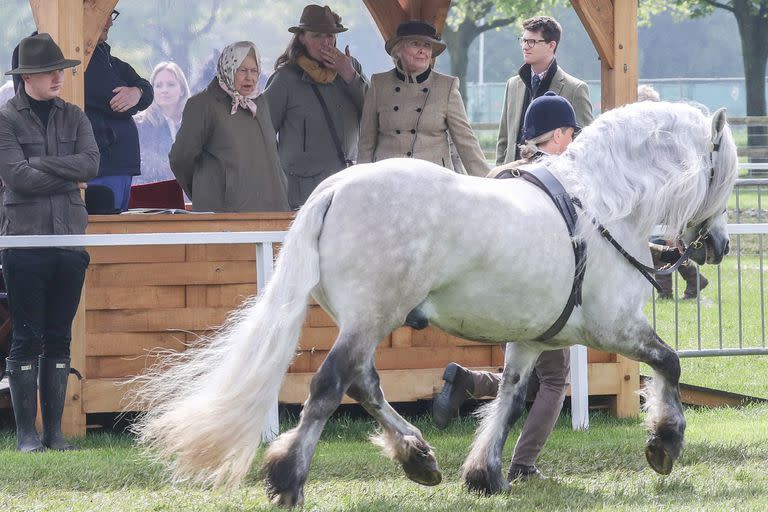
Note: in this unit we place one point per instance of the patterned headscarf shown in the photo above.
(231, 58)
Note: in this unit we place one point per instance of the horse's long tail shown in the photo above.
(206, 406)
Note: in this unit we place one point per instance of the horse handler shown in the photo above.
(47, 153)
(548, 128)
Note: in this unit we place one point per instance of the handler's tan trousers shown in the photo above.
(546, 388)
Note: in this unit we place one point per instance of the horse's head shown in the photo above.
(707, 229)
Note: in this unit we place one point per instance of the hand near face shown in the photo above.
(125, 98)
(339, 61)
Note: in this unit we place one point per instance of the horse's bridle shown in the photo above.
(698, 243)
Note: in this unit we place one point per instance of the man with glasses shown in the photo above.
(114, 92)
(539, 74)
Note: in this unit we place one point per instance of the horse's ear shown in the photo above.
(718, 123)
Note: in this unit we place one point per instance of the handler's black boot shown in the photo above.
(54, 373)
(665, 281)
(458, 387)
(22, 379)
(692, 285)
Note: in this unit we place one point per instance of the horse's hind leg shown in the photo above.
(399, 439)
(287, 460)
(665, 419)
(482, 469)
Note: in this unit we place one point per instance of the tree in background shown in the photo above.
(752, 20)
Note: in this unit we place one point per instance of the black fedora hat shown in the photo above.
(417, 29)
(40, 54)
(319, 19)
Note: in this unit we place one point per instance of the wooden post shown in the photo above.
(75, 26)
(627, 401)
(612, 26)
(63, 19)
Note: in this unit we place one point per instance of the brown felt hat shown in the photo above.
(319, 19)
(40, 54)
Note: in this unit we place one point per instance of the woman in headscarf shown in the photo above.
(316, 98)
(159, 124)
(225, 153)
(413, 111)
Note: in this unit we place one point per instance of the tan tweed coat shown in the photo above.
(413, 120)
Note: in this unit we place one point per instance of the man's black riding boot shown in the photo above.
(458, 387)
(54, 373)
(694, 282)
(22, 379)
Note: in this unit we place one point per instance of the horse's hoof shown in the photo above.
(287, 499)
(421, 466)
(481, 482)
(658, 457)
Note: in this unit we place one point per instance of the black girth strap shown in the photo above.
(542, 178)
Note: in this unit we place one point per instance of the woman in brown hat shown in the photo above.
(411, 111)
(316, 99)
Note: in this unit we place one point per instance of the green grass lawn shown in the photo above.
(722, 468)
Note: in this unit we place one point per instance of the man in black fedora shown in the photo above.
(47, 153)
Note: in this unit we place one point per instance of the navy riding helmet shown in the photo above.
(546, 113)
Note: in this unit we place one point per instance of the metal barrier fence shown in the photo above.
(728, 316)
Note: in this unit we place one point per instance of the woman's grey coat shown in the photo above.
(306, 147)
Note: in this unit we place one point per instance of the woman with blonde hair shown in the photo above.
(159, 123)
(412, 111)
(225, 154)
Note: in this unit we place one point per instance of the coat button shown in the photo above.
(413, 131)
(425, 89)
(397, 108)
(397, 89)
(418, 109)
(408, 154)
(397, 132)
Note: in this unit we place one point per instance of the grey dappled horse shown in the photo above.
(488, 260)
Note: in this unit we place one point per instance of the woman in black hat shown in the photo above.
(316, 98)
(48, 153)
(413, 111)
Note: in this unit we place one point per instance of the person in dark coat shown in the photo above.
(47, 153)
(114, 93)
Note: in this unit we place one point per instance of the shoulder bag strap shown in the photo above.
(331, 127)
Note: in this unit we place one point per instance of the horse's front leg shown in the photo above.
(482, 470)
(664, 411)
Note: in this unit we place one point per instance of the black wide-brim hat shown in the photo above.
(40, 54)
(420, 30)
(319, 19)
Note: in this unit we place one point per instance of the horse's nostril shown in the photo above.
(727, 247)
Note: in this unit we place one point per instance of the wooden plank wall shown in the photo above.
(143, 298)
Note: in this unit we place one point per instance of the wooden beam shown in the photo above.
(598, 20)
(388, 14)
(95, 14)
(619, 83)
(63, 19)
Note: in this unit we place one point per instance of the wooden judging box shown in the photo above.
(139, 298)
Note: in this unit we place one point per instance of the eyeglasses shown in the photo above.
(530, 43)
(114, 15)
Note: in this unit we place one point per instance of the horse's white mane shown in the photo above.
(649, 161)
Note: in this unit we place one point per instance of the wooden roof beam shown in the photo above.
(598, 20)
